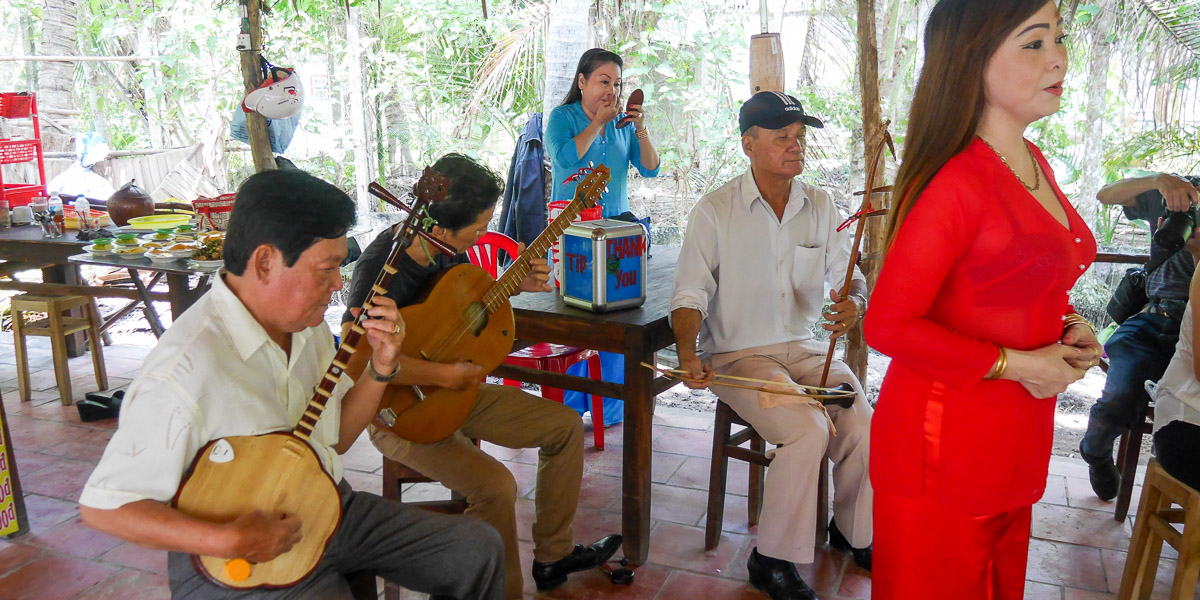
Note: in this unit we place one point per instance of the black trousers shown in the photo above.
(1177, 446)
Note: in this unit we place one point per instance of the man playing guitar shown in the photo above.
(243, 362)
(501, 415)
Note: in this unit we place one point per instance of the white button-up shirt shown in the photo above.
(759, 280)
(215, 373)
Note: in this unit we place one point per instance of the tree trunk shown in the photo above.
(358, 119)
(568, 36)
(256, 124)
(56, 81)
(873, 129)
(1100, 49)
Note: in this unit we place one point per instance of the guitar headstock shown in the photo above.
(593, 185)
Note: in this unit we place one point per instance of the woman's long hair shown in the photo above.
(960, 39)
(590, 61)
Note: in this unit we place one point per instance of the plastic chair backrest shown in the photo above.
(486, 251)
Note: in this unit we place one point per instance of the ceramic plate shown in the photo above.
(206, 264)
(129, 251)
(91, 248)
(153, 237)
(159, 256)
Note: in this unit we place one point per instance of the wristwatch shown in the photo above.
(381, 378)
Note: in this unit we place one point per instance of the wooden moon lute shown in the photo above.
(467, 317)
(279, 472)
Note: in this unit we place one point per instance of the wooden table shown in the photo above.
(23, 248)
(180, 294)
(638, 333)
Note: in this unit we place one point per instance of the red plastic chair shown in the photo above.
(547, 357)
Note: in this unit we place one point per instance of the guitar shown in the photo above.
(467, 317)
(279, 472)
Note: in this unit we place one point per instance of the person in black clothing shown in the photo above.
(502, 415)
(1142, 346)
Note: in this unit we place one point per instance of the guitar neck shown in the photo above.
(516, 272)
(349, 345)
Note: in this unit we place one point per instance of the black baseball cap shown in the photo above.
(773, 110)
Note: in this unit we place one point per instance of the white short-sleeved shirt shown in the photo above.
(215, 373)
(759, 280)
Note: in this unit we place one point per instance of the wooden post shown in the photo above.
(766, 63)
(873, 129)
(256, 124)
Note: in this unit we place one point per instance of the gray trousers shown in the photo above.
(443, 555)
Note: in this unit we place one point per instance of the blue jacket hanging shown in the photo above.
(523, 215)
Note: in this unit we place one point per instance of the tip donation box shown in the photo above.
(604, 265)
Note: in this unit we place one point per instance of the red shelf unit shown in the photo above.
(17, 106)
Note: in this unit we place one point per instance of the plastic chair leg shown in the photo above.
(594, 372)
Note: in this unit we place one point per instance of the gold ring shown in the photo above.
(396, 329)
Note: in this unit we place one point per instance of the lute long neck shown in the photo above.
(508, 282)
(349, 344)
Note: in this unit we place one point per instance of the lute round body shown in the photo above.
(275, 472)
(450, 325)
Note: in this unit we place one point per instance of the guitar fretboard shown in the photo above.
(350, 341)
(508, 282)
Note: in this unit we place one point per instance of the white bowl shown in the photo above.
(159, 256)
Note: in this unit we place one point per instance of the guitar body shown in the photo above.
(450, 325)
(274, 472)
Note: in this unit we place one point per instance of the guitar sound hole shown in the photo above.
(475, 316)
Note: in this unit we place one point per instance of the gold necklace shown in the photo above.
(1037, 179)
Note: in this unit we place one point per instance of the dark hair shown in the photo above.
(590, 61)
(288, 209)
(474, 189)
(960, 39)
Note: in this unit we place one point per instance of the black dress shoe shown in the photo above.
(553, 574)
(778, 578)
(862, 556)
(1105, 479)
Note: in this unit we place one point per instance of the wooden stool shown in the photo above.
(395, 476)
(1128, 449)
(57, 327)
(1153, 526)
(726, 446)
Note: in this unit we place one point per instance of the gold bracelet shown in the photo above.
(1073, 319)
(643, 134)
(999, 366)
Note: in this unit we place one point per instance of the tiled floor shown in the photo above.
(1077, 552)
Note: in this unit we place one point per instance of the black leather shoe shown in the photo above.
(777, 578)
(862, 556)
(553, 574)
(1105, 479)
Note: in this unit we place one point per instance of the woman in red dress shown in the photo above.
(972, 307)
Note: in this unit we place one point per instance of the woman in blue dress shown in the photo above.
(584, 129)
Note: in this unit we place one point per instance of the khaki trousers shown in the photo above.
(509, 417)
(787, 527)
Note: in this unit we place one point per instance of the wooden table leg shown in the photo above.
(68, 274)
(151, 314)
(635, 472)
(183, 297)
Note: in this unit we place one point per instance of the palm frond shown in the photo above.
(515, 58)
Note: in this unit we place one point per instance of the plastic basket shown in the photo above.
(214, 212)
(21, 194)
(15, 151)
(15, 106)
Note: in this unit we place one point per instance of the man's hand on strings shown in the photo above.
(538, 278)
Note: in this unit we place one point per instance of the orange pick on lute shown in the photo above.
(238, 569)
